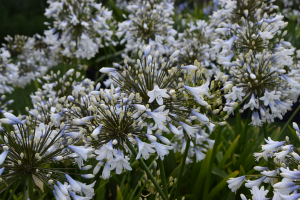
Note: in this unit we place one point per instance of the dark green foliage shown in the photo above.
(23, 17)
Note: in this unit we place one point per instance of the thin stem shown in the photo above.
(30, 187)
(265, 131)
(137, 186)
(289, 121)
(149, 174)
(182, 167)
(163, 176)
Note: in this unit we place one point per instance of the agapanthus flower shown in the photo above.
(33, 58)
(290, 9)
(148, 24)
(260, 80)
(248, 46)
(235, 10)
(80, 28)
(281, 176)
(180, 99)
(49, 100)
(30, 153)
(194, 43)
(7, 71)
(108, 120)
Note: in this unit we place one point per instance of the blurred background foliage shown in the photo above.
(23, 17)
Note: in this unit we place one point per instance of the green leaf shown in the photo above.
(219, 172)
(221, 185)
(199, 185)
(102, 58)
(119, 194)
(242, 171)
(102, 184)
(210, 167)
(275, 134)
(229, 152)
(176, 170)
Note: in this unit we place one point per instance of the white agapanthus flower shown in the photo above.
(148, 24)
(80, 28)
(27, 157)
(168, 104)
(33, 58)
(194, 43)
(158, 95)
(248, 46)
(49, 100)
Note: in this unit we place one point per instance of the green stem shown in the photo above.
(182, 167)
(265, 131)
(163, 176)
(149, 174)
(30, 187)
(137, 186)
(245, 131)
(289, 121)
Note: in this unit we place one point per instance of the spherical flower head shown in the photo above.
(194, 43)
(42, 52)
(113, 124)
(148, 24)
(172, 96)
(80, 27)
(28, 152)
(33, 58)
(149, 79)
(290, 10)
(260, 83)
(235, 10)
(50, 100)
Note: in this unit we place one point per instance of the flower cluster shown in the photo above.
(194, 43)
(148, 24)
(250, 50)
(182, 100)
(29, 151)
(33, 57)
(282, 174)
(80, 28)
(171, 91)
(48, 102)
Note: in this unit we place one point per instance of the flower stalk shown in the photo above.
(182, 167)
(163, 176)
(30, 187)
(149, 174)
